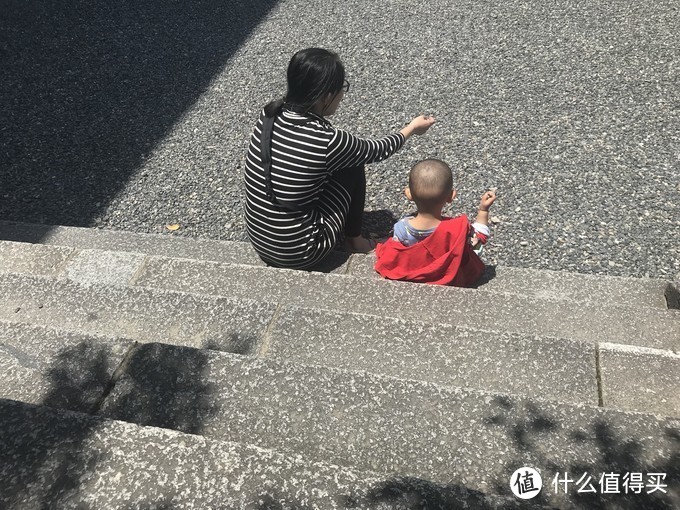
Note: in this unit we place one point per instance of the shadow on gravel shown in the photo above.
(379, 223)
(488, 275)
(89, 88)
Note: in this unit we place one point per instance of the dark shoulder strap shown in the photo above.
(266, 155)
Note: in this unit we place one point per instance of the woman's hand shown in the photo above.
(418, 126)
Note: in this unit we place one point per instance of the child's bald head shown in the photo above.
(430, 183)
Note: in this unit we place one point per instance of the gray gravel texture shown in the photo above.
(139, 117)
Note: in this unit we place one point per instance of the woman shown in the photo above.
(305, 179)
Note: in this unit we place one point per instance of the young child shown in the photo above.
(429, 247)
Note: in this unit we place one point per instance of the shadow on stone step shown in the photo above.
(398, 493)
(77, 380)
(41, 474)
(530, 430)
(672, 295)
(79, 377)
(335, 260)
(163, 387)
(416, 494)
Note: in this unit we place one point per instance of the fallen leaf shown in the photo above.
(173, 227)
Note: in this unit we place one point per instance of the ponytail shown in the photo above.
(273, 108)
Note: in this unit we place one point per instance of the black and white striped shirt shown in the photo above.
(305, 151)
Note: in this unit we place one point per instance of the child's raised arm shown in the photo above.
(488, 198)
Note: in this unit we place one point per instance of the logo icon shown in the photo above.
(526, 483)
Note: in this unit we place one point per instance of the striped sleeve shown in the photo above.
(346, 150)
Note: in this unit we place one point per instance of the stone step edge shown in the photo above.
(439, 388)
(382, 281)
(170, 292)
(137, 343)
(635, 349)
(477, 393)
(175, 238)
(356, 485)
(672, 292)
(145, 258)
(272, 332)
(129, 242)
(173, 433)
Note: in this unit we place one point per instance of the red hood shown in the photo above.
(443, 258)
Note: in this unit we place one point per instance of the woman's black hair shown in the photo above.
(312, 73)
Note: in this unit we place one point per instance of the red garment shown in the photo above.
(443, 258)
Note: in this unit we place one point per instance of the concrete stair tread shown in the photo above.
(646, 292)
(511, 363)
(149, 244)
(636, 378)
(437, 304)
(451, 356)
(64, 369)
(612, 323)
(315, 397)
(60, 459)
(369, 422)
(562, 285)
(72, 370)
(230, 324)
(190, 389)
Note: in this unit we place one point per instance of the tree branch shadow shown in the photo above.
(599, 449)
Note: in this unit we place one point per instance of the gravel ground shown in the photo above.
(139, 117)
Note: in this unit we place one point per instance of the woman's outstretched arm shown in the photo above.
(346, 150)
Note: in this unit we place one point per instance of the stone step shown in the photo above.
(509, 312)
(400, 428)
(63, 369)
(150, 244)
(552, 368)
(640, 379)
(493, 311)
(229, 324)
(513, 363)
(520, 364)
(51, 458)
(645, 292)
(562, 285)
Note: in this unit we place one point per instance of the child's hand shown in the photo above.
(488, 198)
(421, 124)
